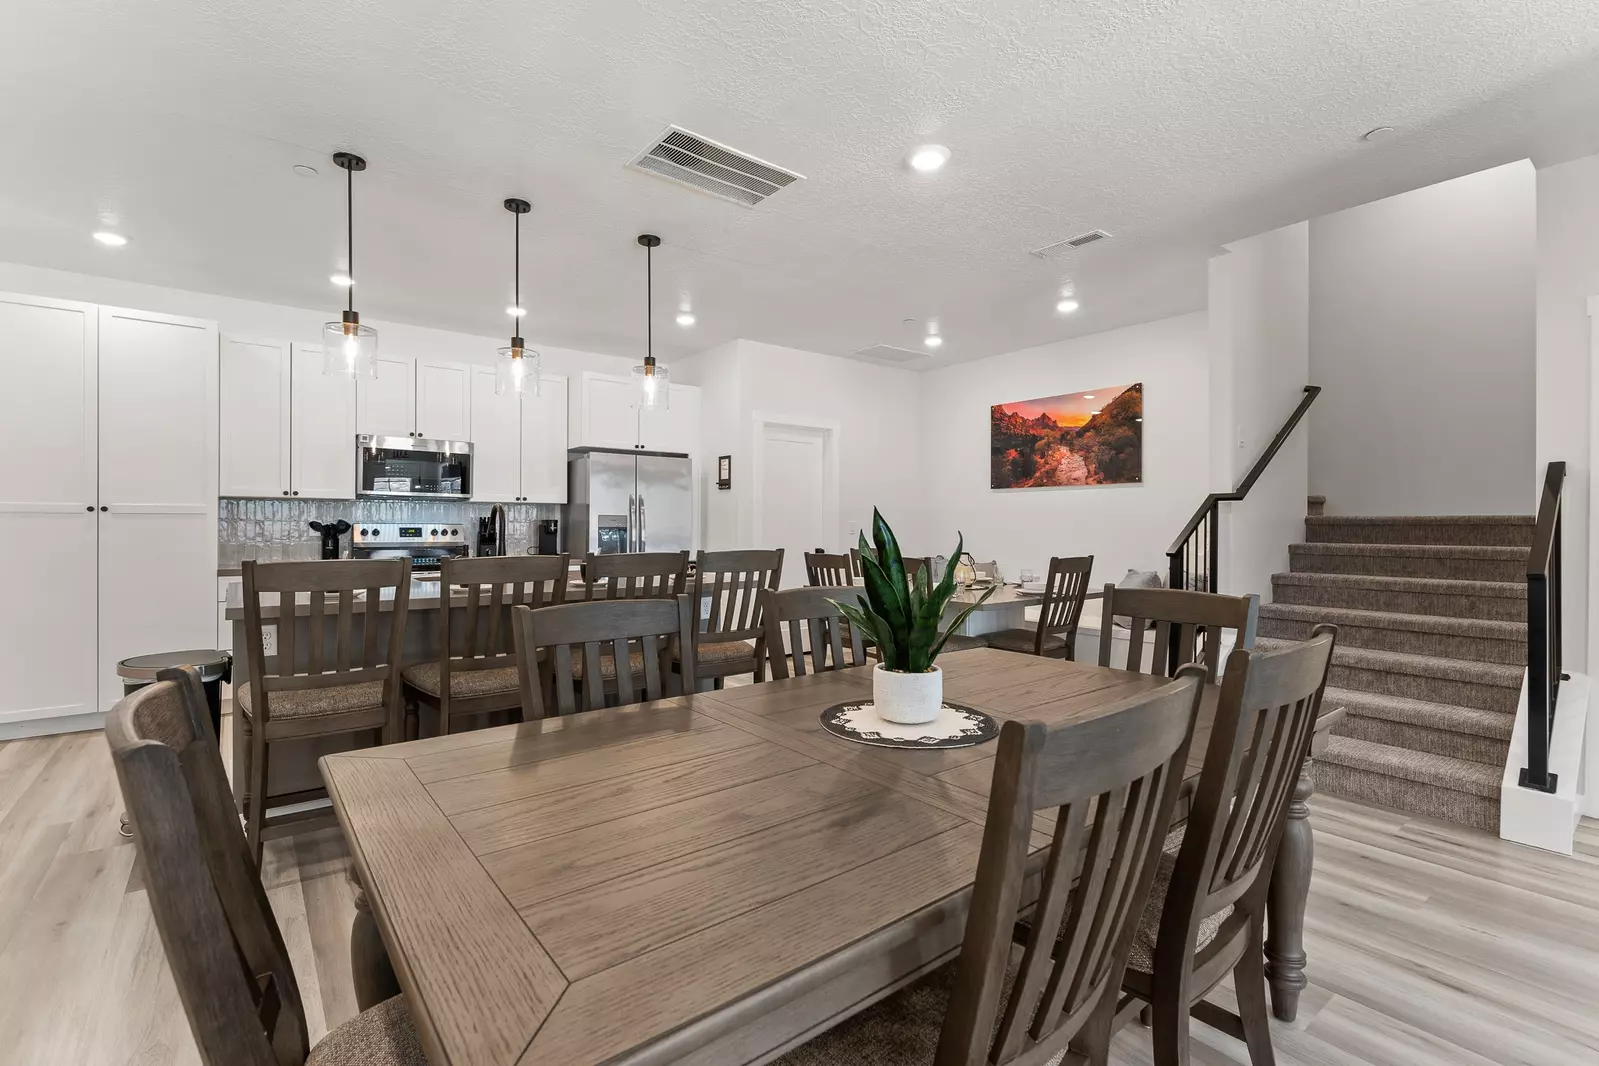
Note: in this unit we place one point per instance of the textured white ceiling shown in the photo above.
(1174, 125)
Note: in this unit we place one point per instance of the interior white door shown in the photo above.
(496, 440)
(47, 505)
(607, 415)
(158, 487)
(794, 495)
(255, 418)
(322, 432)
(443, 400)
(386, 404)
(544, 443)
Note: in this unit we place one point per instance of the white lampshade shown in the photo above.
(349, 349)
(516, 370)
(652, 386)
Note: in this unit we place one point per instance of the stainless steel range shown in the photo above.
(427, 545)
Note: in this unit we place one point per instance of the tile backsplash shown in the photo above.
(278, 530)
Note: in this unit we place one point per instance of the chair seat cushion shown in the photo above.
(1023, 640)
(379, 1036)
(725, 651)
(315, 702)
(961, 642)
(1143, 955)
(464, 684)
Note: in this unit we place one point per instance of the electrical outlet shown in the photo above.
(269, 640)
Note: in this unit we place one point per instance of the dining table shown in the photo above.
(708, 878)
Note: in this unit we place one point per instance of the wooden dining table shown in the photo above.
(711, 878)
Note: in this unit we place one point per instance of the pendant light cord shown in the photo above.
(516, 258)
(349, 228)
(649, 320)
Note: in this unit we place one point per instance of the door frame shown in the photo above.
(830, 430)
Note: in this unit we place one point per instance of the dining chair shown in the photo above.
(1056, 632)
(223, 945)
(345, 679)
(475, 671)
(815, 625)
(829, 570)
(913, 563)
(1110, 783)
(729, 638)
(592, 651)
(1205, 916)
(635, 575)
(1188, 626)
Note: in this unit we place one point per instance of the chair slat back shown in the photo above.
(635, 575)
(494, 585)
(732, 582)
(1110, 783)
(1064, 592)
(1193, 622)
(317, 665)
(1265, 719)
(224, 946)
(591, 634)
(816, 630)
(827, 570)
(915, 564)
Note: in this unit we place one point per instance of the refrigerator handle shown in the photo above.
(632, 522)
(643, 526)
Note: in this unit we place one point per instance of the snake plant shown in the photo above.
(901, 614)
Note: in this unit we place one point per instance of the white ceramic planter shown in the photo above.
(909, 699)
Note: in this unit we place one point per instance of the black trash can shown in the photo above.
(214, 667)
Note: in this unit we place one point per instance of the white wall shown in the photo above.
(1422, 326)
(1123, 526)
(716, 372)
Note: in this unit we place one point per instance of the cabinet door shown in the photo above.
(322, 437)
(496, 440)
(676, 429)
(544, 443)
(443, 400)
(607, 417)
(47, 637)
(255, 418)
(386, 405)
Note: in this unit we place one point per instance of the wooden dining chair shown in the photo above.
(345, 679)
(635, 575)
(1110, 783)
(1056, 632)
(913, 563)
(729, 638)
(828, 570)
(605, 653)
(1206, 913)
(223, 945)
(1188, 626)
(814, 625)
(475, 672)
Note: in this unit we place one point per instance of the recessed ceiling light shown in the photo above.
(685, 318)
(516, 312)
(1378, 134)
(115, 240)
(304, 171)
(1066, 306)
(928, 158)
(343, 281)
(932, 340)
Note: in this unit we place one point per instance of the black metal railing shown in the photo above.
(1191, 559)
(1543, 632)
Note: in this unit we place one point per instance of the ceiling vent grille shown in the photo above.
(888, 355)
(1093, 236)
(689, 159)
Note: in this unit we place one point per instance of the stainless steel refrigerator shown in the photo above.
(628, 501)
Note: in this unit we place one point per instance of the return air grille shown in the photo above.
(691, 160)
(1093, 236)
(889, 355)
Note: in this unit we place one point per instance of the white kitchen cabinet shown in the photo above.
(676, 429)
(518, 444)
(386, 404)
(255, 418)
(443, 400)
(544, 442)
(322, 429)
(606, 415)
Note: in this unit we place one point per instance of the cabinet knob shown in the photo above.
(296, 492)
(89, 508)
(104, 508)
(285, 492)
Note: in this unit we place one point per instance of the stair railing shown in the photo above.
(1543, 632)
(1192, 558)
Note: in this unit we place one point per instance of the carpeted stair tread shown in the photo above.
(1446, 717)
(1443, 625)
(1502, 530)
(1451, 561)
(1417, 767)
(1414, 551)
(1504, 601)
(1500, 675)
(1428, 585)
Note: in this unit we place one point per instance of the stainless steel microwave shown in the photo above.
(413, 467)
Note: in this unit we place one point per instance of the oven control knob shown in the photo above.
(455, 532)
(433, 532)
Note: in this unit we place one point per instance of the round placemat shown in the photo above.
(957, 726)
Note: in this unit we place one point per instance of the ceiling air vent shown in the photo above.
(689, 159)
(1093, 236)
(888, 355)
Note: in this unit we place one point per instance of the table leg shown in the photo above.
(1285, 907)
(369, 960)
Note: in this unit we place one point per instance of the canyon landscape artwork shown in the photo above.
(1078, 438)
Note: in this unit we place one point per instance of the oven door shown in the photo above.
(413, 467)
(424, 560)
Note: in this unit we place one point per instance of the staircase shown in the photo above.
(1432, 617)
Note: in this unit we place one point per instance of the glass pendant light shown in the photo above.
(516, 368)
(349, 349)
(652, 380)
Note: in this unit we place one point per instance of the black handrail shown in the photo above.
(1192, 557)
(1543, 632)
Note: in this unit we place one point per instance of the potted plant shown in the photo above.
(902, 616)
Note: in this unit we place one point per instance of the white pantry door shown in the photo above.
(47, 508)
(794, 494)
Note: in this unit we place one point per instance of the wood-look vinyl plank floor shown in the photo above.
(1429, 944)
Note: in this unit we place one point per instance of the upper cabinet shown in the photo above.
(518, 443)
(416, 398)
(605, 415)
(322, 429)
(287, 429)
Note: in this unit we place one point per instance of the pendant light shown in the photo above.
(516, 368)
(652, 381)
(349, 349)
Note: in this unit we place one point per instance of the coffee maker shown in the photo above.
(331, 532)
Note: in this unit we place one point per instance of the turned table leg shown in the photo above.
(1285, 906)
(369, 960)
